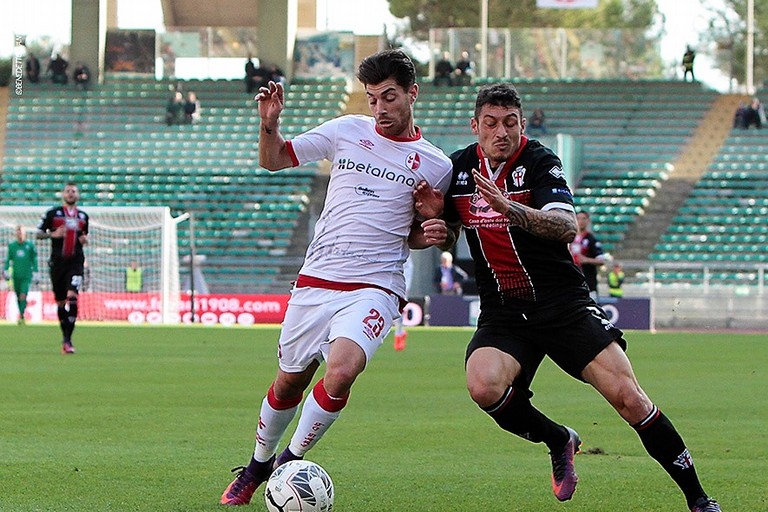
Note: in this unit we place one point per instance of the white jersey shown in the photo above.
(362, 233)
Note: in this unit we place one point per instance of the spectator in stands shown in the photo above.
(191, 108)
(444, 71)
(81, 76)
(174, 110)
(449, 278)
(464, 69)
(740, 117)
(278, 75)
(33, 68)
(250, 72)
(261, 77)
(587, 252)
(537, 123)
(615, 280)
(688, 58)
(134, 279)
(57, 68)
(755, 115)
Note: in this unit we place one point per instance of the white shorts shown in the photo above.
(316, 316)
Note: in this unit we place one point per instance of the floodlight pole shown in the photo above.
(483, 38)
(750, 46)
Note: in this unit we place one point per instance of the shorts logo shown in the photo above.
(518, 175)
(413, 161)
(597, 313)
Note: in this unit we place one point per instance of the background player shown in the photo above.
(22, 264)
(510, 195)
(351, 286)
(587, 252)
(67, 227)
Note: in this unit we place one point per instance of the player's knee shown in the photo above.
(338, 380)
(631, 403)
(485, 389)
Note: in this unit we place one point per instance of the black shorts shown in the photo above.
(65, 276)
(572, 336)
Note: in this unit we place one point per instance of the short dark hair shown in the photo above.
(391, 63)
(502, 95)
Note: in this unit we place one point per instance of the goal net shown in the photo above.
(119, 238)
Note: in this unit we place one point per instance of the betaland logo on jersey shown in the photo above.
(385, 174)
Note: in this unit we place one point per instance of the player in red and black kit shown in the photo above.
(510, 195)
(67, 227)
(587, 252)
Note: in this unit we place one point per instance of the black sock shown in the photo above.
(72, 316)
(515, 413)
(666, 446)
(61, 311)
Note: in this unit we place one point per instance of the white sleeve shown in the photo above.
(316, 144)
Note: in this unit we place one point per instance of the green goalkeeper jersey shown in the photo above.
(23, 257)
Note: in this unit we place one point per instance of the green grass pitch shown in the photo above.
(152, 419)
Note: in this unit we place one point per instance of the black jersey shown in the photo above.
(68, 248)
(513, 268)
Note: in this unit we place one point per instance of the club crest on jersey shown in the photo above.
(413, 161)
(518, 175)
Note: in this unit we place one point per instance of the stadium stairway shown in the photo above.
(696, 157)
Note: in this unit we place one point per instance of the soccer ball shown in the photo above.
(299, 486)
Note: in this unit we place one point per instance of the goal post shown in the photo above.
(118, 237)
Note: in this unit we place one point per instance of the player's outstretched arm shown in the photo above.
(552, 224)
(273, 152)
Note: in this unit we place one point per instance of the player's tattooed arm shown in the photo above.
(553, 224)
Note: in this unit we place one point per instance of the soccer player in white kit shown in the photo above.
(384, 197)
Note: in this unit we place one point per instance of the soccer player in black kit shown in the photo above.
(67, 227)
(510, 195)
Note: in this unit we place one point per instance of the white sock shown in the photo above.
(313, 423)
(272, 426)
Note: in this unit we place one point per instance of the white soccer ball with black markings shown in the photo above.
(299, 486)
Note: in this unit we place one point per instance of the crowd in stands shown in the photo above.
(748, 116)
(260, 76)
(182, 111)
(448, 74)
(56, 71)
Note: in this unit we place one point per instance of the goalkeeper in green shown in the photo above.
(21, 268)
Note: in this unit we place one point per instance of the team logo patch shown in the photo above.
(367, 144)
(518, 175)
(557, 172)
(413, 161)
(684, 460)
